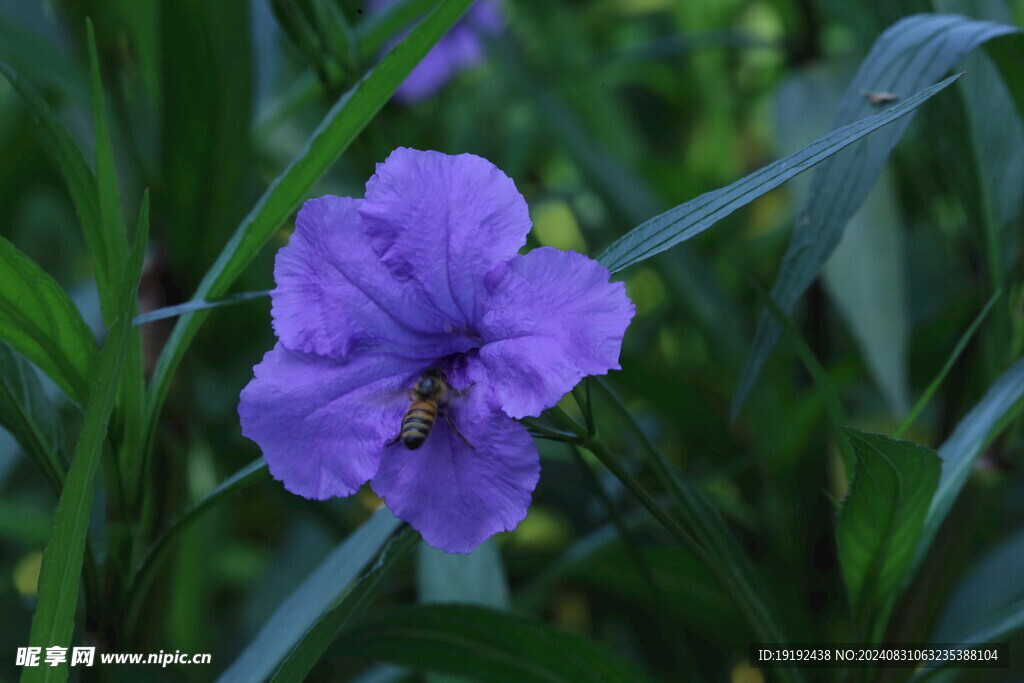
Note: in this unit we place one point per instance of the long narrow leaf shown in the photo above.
(53, 622)
(79, 179)
(965, 444)
(334, 134)
(39, 321)
(114, 243)
(308, 651)
(991, 583)
(485, 644)
(1004, 622)
(190, 306)
(697, 215)
(911, 53)
(285, 629)
(112, 234)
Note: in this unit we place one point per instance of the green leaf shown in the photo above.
(484, 644)
(1003, 621)
(114, 242)
(251, 474)
(881, 522)
(53, 622)
(476, 578)
(966, 443)
(697, 215)
(29, 414)
(308, 651)
(334, 134)
(39, 321)
(190, 306)
(911, 53)
(113, 237)
(312, 600)
(373, 32)
(41, 59)
(79, 180)
(991, 584)
(866, 278)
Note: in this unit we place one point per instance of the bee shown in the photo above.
(876, 99)
(429, 397)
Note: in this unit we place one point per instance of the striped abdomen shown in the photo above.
(418, 421)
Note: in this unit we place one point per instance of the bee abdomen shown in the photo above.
(417, 424)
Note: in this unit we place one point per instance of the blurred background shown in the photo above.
(604, 113)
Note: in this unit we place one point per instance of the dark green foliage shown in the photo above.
(881, 522)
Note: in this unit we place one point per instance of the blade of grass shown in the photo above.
(697, 215)
(373, 32)
(966, 443)
(965, 339)
(190, 306)
(312, 600)
(53, 622)
(334, 134)
(115, 237)
(113, 234)
(308, 651)
(39, 321)
(81, 183)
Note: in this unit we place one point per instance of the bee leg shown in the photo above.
(456, 430)
(463, 392)
(394, 440)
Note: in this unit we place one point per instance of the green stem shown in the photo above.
(643, 569)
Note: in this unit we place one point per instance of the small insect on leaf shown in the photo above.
(877, 99)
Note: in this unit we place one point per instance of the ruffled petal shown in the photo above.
(333, 293)
(457, 496)
(323, 423)
(553, 319)
(444, 222)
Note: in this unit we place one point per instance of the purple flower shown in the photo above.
(424, 273)
(460, 48)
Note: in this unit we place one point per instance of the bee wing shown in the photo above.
(390, 397)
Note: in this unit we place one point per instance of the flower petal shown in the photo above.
(460, 48)
(455, 495)
(323, 423)
(444, 221)
(553, 318)
(334, 293)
